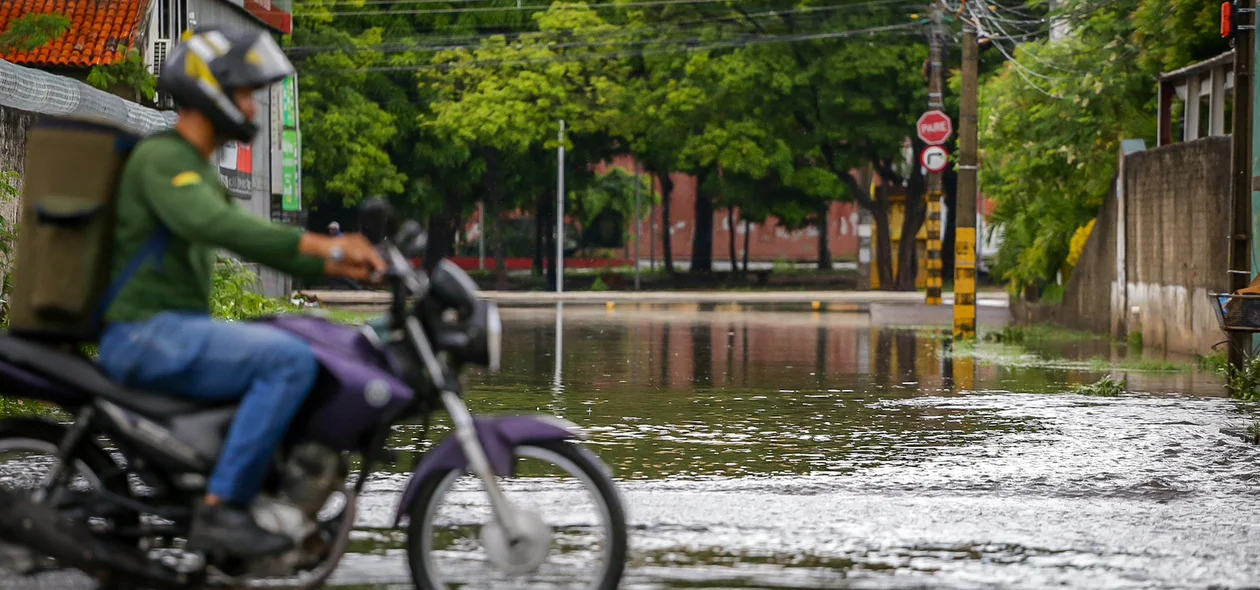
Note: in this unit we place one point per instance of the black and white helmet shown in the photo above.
(210, 63)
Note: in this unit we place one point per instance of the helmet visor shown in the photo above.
(265, 64)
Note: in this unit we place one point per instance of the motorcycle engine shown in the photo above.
(308, 477)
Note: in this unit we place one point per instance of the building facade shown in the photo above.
(252, 172)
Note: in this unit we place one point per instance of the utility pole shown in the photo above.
(560, 218)
(965, 208)
(1240, 234)
(936, 101)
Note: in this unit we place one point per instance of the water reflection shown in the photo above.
(685, 347)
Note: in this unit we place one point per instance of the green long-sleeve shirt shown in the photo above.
(168, 181)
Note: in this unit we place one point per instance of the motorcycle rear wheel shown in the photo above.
(574, 459)
(45, 437)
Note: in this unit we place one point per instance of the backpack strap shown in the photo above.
(153, 248)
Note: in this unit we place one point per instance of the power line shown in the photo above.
(700, 45)
(536, 8)
(674, 26)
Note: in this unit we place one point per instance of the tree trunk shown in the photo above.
(702, 237)
(667, 223)
(916, 214)
(883, 239)
(747, 234)
(730, 221)
(492, 183)
(824, 239)
(442, 230)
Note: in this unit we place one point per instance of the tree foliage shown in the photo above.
(774, 105)
(32, 31)
(1051, 121)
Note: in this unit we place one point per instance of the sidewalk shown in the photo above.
(861, 300)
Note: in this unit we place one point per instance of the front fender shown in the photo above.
(498, 436)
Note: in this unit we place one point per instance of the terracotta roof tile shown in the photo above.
(99, 30)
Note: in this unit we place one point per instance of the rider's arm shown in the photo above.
(195, 208)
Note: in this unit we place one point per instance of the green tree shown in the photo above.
(504, 100)
(1052, 120)
(32, 31)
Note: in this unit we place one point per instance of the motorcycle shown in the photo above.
(125, 474)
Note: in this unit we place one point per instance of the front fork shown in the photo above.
(466, 435)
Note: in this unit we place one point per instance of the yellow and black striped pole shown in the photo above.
(935, 265)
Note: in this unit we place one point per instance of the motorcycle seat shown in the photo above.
(81, 373)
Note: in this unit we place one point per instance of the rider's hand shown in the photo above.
(358, 251)
(349, 255)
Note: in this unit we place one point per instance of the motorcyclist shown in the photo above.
(159, 334)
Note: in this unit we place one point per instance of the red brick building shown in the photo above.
(769, 241)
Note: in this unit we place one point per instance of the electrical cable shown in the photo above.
(701, 45)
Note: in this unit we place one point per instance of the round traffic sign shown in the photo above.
(934, 158)
(935, 127)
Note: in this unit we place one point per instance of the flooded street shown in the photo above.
(800, 450)
(814, 450)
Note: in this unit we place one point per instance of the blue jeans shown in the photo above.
(191, 355)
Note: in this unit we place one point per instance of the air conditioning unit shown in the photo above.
(156, 61)
(157, 55)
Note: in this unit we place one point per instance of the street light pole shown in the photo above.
(560, 215)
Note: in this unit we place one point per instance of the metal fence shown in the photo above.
(35, 91)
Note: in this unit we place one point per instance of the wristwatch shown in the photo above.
(337, 254)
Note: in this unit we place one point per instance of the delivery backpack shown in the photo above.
(61, 283)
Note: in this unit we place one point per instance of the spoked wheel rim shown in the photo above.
(29, 482)
(31, 445)
(572, 469)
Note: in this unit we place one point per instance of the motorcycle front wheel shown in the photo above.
(453, 540)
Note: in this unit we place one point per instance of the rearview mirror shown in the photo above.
(375, 218)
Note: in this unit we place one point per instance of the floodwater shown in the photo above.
(814, 450)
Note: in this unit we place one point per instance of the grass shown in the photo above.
(342, 316)
(1040, 333)
(1105, 387)
(19, 408)
(1253, 430)
(1139, 364)
(1244, 384)
(1215, 362)
(1012, 354)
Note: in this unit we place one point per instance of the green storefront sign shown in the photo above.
(291, 198)
(288, 107)
(291, 149)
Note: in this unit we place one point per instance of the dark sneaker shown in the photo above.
(227, 530)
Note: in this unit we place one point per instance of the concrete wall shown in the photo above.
(1158, 248)
(1176, 251)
